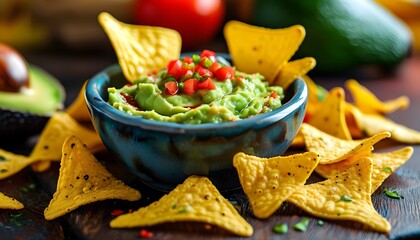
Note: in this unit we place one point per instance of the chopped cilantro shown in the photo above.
(320, 223)
(302, 226)
(346, 198)
(386, 169)
(184, 209)
(393, 194)
(281, 228)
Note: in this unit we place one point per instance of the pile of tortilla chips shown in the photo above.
(336, 140)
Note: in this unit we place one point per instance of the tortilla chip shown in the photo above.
(316, 94)
(294, 69)
(9, 203)
(371, 124)
(330, 115)
(355, 131)
(78, 109)
(345, 197)
(197, 200)
(83, 180)
(11, 163)
(140, 49)
(59, 127)
(256, 49)
(367, 102)
(298, 141)
(268, 182)
(384, 164)
(332, 149)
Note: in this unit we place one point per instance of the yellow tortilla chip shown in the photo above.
(140, 49)
(9, 203)
(330, 115)
(256, 49)
(371, 124)
(11, 163)
(332, 149)
(345, 197)
(354, 129)
(58, 128)
(268, 182)
(198, 200)
(83, 180)
(294, 69)
(316, 94)
(78, 109)
(367, 102)
(298, 141)
(384, 164)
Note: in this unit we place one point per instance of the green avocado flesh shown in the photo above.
(44, 96)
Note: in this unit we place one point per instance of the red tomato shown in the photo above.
(198, 21)
(174, 68)
(171, 87)
(206, 84)
(225, 73)
(190, 86)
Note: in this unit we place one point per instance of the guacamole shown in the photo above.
(197, 89)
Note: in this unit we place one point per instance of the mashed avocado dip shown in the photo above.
(197, 89)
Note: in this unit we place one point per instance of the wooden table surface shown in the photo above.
(91, 221)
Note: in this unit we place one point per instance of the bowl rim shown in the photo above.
(95, 100)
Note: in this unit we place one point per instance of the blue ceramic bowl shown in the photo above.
(164, 154)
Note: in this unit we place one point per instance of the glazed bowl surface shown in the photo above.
(164, 154)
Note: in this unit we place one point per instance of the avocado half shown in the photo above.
(25, 113)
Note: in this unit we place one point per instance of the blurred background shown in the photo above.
(65, 38)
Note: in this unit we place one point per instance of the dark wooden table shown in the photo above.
(91, 221)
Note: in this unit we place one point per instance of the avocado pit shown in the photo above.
(14, 72)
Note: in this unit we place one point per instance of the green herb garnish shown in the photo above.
(281, 228)
(386, 169)
(320, 223)
(15, 217)
(393, 194)
(302, 226)
(184, 209)
(346, 198)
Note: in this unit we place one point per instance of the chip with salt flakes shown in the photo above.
(9, 203)
(60, 126)
(268, 182)
(140, 49)
(263, 50)
(82, 180)
(367, 102)
(293, 70)
(332, 149)
(78, 109)
(11, 163)
(196, 200)
(384, 164)
(330, 115)
(345, 197)
(371, 124)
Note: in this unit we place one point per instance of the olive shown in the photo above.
(14, 73)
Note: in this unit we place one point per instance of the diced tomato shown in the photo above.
(171, 87)
(117, 212)
(273, 94)
(306, 117)
(190, 86)
(188, 59)
(208, 54)
(203, 72)
(213, 68)
(174, 68)
(186, 72)
(206, 84)
(224, 73)
(145, 234)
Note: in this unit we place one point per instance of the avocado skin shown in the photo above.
(340, 34)
(20, 125)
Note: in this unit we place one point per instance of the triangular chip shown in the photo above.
(268, 182)
(330, 115)
(298, 141)
(140, 49)
(316, 94)
(58, 128)
(256, 49)
(371, 124)
(11, 163)
(367, 102)
(197, 200)
(9, 203)
(83, 180)
(345, 197)
(332, 149)
(294, 69)
(354, 129)
(78, 109)
(384, 164)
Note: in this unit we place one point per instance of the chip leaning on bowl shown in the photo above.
(197, 89)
